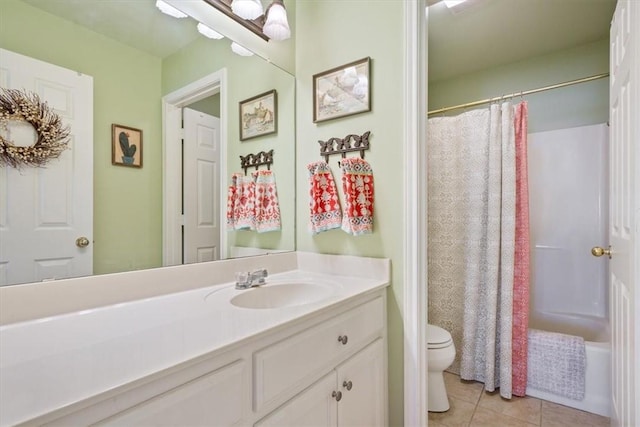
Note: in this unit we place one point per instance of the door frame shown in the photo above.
(415, 213)
(172, 105)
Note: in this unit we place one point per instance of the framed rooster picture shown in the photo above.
(342, 91)
(126, 146)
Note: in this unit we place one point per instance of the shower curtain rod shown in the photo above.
(512, 95)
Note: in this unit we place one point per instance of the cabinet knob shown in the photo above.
(337, 395)
(347, 384)
(343, 339)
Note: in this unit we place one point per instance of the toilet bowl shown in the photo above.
(440, 353)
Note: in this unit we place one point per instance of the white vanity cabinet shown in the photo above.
(323, 366)
(215, 399)
(353, 394)
(296, 360)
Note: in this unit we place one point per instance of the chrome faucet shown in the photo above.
(246, 279)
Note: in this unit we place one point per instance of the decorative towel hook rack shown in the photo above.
(256, 160)
(345, 145)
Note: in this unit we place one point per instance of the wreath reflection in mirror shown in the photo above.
(52, 137)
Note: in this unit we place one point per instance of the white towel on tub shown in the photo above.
(557, 363)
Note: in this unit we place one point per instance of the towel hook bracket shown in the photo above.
(256, 160)
(342, 146)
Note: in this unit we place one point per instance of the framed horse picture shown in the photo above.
(259, 115)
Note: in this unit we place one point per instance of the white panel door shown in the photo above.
(201, 184)
(44, 210)
(624, 140)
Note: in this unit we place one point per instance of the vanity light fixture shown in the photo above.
(209, 32)
(169, 10)
(247, 9)
(276, 26)
(240, 50)
(272, 25)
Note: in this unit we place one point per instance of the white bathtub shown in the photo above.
(595, 331)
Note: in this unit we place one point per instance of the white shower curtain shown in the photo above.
(471, 196)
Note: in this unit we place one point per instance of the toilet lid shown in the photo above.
(437, 337)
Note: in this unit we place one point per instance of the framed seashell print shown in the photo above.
(342, 91)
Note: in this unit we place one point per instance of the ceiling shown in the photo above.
(137, 23)
(489, 33)
(486, 34)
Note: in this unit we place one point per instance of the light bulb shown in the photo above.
(453, 3)
(240, 50)
(169, 10)
(247, 9)
(208, 32)
(276, 26)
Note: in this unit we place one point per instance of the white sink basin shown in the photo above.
(278, 295)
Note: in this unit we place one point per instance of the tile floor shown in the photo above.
(472, 407)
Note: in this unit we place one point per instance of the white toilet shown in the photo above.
(441, 353)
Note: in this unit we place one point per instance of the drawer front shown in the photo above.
(213, 399)
(287, 363)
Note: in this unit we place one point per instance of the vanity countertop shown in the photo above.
(52, 362)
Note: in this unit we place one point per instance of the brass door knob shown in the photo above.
(82, 242)
(598, 251)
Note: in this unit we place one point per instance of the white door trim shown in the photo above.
(172, 159)
(415, 208)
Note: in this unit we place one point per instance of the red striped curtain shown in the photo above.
(521, 267)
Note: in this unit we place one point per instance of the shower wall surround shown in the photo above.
(582, 104)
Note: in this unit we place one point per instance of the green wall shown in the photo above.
(327, 37)
(578, 105)
(247, 77)
(128, 85)
(126, 82)
(210, 105)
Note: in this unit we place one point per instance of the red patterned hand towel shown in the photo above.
(323, 202)
(244, 206)
(232, 200)
(267, 207)
(357, 184)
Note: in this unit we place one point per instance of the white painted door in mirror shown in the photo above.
(43, 211)
(201, 183)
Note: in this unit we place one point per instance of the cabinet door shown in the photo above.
(215, 399)
(290, 362)
(313, 407)
(362, 380)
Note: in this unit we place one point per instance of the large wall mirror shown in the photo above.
(136, 57)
